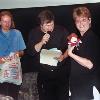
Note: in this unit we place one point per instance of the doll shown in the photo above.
(73, 40)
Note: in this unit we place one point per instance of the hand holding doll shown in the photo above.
(73, 41)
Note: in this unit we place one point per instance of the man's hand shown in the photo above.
(2, 61)
(60, 59)
(70, 49)
(45, 38)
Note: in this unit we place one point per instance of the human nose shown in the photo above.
(50, 28)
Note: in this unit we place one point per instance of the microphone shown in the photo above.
(49, 32)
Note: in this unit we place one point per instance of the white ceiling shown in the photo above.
(7, 4)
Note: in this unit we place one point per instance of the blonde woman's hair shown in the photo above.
(81, 12)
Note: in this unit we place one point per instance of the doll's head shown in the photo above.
(73, 39)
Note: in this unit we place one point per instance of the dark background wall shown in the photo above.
(26, 19)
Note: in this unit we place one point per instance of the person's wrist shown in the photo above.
(70, 53)
(42, 43)
(62, 56)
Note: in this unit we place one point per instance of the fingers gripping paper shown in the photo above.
(49, 56)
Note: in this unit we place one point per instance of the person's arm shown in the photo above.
(81, 60)
(38, 46)
(21, 44)
(33, 45)
(44, 40)
(63, 56)
(20, 53)
(64, 46)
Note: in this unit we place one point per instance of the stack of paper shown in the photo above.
(49, 56)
